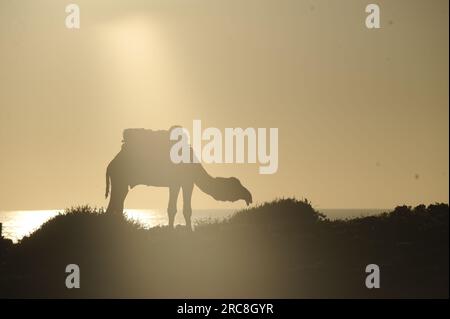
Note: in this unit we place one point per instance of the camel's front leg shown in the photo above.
(172, 208)
(118, 193)
(187, 209)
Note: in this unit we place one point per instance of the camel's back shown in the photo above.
(147, 144)
(145, 156)
(141, 137)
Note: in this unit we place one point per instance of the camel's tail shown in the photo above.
(221, 188)
(107, 182)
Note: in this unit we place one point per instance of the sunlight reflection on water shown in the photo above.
(18, 224)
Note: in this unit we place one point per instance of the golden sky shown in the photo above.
(362, 114)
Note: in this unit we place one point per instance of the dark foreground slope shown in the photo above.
(282, 249)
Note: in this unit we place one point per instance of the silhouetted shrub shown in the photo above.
(281, 211)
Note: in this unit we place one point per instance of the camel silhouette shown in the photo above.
(144, 159)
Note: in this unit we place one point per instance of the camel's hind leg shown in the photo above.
(187, 209)
(118, 193)
(172, 208)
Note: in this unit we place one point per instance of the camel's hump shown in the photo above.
(142, 135)
(150, 146)
(137, 139)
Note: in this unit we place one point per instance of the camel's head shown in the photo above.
(240, 192)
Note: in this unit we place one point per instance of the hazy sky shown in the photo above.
(362, 114)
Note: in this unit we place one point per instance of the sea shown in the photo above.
(20, 223)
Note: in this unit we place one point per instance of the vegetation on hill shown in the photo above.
(281, 249)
